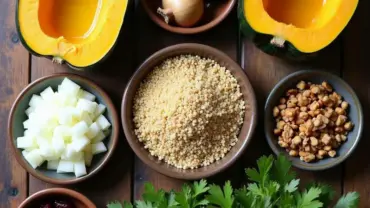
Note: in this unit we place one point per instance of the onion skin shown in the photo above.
(185, 13)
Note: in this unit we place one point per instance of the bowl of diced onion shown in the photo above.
(63, 128)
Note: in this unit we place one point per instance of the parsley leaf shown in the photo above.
(224, 198)
(143, 204)
(308, 198)
(200, 187)
(183, 197)
(350, 200)
(327, 193)
(286, 201)
(125, 205)
(273, 186)
(171, 200)
(291, 186)
(264, 165)
(244, 198)
(281, 170)
(151, 195)
(117, 204)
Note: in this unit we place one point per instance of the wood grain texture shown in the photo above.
(113, 182)
(356, 72)
(151, 38)
(264, 71)
(14, 73)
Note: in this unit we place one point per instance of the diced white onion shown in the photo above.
(103, 122)
(65, 166)
(86, 95)
(65, 128)
(34, 158)
(80, 168)
(98, 148)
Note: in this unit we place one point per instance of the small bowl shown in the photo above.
(79, 200)
(246, 131)
(340, 86)
(214, 13)
(17, 116)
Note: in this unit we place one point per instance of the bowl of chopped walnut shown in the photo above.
(313, 117)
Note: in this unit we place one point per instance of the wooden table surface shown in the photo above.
(123, 177)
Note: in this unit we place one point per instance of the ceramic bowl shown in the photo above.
(17, 116)
(340, 86)
(214, 12)
(78, 200)
(245, 134)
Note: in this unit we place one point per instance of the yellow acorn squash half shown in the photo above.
(79, 32)
(294, 28)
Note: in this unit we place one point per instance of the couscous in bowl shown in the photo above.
(230, 75)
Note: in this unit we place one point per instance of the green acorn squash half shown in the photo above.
(79, 32)
(294, 28)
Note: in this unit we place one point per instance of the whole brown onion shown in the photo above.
(185, 13)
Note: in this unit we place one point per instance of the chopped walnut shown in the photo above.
(293, 153)
(301, 85)
(276, 111)
(327, 86)
(332, 153)
(311, 121)
(344, 105)
(297, 140)
(348, 126)
(277, 131)
(314, 141)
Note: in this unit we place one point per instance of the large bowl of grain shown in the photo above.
(189, 111)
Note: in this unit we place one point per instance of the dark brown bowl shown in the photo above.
(17, 116)
(214, 12)
(245, 135)
(79, 200)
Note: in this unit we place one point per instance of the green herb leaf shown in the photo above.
(117, 204)
(202, 202)
(143, 204)
(223, 199)
(264, 165)
(286, 201)
(171, 200)
(281, 170)
(292, 186)
(274, 186)
(327, 193)
(350, 200)
(183, 197)
(151, 195)
(255, 189)
(243, 197)
(271, 188)
(200, 187)
(308, 199)
(125, 205)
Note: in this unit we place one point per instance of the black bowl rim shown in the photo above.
(32, 171)
(336, 162)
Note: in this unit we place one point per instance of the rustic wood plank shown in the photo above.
(265, 71)
(114, 181)
(152, 38)
(356, 73)
(14, 74)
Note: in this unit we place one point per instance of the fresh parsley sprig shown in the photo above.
(273, 185)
